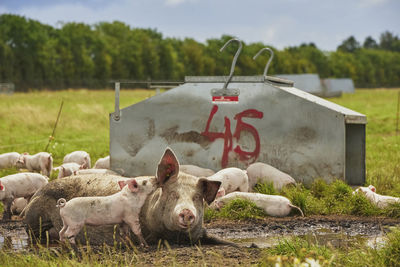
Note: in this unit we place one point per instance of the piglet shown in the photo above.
(18, 205)
(232, 179)
(80, 157)
(23, 184)
(40, 162)
(9, 160)
(380, 201)
(102, 163)
(263, 173)
(277, 206)
(67, 169)
(120, 208)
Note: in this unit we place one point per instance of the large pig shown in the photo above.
(120, 208)
(80, 157)
(40, 162)
(102, 163)
(23, 184)
(264, 173)
(9, 160)
(381, 201)
(173, 212)
(232, 179)
(67, 169)
(277, 206)
(196, 170)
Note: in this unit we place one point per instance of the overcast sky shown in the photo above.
(278, 23)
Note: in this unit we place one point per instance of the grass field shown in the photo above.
(27, 120)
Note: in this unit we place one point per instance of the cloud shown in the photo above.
(176, 2)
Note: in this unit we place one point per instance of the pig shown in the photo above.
(264, 173)
(40, 162)
(196, 171)
(380, 201)
(9, 160)
(273, 205)
(80, 157)
(95, 171)
(173, 212)
(120, 208)
(23, 184)
(67, 169)
(102, 163)
(232, 179)
(18, 205)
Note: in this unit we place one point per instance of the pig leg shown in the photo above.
(124, 230)
(62, 232)
(135, 227)
(72, 232)
(7, 209)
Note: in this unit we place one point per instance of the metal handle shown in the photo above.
(269, 60)
(117, 112)
(234, 58)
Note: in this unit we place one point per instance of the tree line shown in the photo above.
(35, 55)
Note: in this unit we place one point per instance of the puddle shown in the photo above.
(323, 237)
(16, 239)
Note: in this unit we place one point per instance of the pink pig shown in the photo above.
(120, 208)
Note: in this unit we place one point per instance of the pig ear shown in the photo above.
(209, 189)
(133, 185)
(373, 189)
(26, 153)
(121, 184)
(81, 167)
(168, 167)
(1, 187)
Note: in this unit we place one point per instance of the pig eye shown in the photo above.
(196, 197)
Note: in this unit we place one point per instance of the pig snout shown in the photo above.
(186, 218)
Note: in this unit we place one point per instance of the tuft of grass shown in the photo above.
(265, 188)
(238, 209)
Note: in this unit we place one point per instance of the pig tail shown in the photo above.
(61, 203)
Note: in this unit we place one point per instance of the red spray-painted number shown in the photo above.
(228, 137)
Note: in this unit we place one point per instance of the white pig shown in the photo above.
(23, 184)
(232, 179)
(40, 162)
(380, 201)
(196, 171)
(9, 160)
(95, 171)
(277, 206)
(120, 208)
(80, 157)
(102, 163)
(18, 205)
(67, 169)
(264, 173)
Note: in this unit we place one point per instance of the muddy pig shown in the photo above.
(232, 179)
(40, 162)
(120, 208)
(264, 173)
(102, 163)
(9, 160)
(80, 157)
(277, 206)
(173, 212)
(23, 184)
(67, 169)
(196, 171)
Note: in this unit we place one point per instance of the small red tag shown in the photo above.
(225, 99)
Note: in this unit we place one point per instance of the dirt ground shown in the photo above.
(249, 235)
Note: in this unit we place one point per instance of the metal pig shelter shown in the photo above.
(272, 122)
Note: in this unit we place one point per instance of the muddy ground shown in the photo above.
(251, 236)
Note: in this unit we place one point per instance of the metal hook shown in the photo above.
(269, 60)
(234, 58)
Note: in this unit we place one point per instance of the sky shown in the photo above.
(280, 24)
